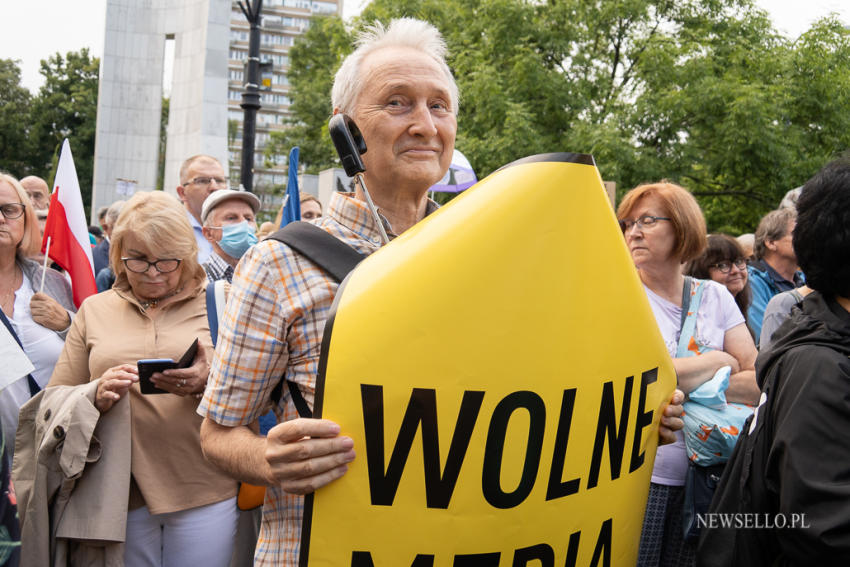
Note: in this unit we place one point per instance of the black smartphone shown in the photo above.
(348, 142)
(148, 366)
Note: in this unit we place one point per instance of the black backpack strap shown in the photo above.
(328, 252)
(334, 257)
(298, 400)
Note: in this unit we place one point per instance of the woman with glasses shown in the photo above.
(664, 227)
(724, 262)
(181, 510)
(37, 318)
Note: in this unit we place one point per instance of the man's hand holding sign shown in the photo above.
(306, 454)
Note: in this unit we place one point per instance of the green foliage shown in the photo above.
(66, 107)
(313, 60)
(702, 92)
(32, 128)
(14, 113)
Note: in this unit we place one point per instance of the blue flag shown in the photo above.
(292, 200)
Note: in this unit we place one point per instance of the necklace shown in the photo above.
(154, 302)
(4, 299)
(8, 295)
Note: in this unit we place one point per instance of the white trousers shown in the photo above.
(199, 536)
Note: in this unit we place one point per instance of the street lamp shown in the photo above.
(251, 95)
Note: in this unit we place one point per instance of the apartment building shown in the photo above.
(282, 22)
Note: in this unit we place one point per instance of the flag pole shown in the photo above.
(44, 267)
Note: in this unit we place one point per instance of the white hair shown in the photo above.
(403, 32)
(114, 211)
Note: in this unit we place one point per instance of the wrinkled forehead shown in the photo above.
(204, 167)
(36, 191)
(35, 186)
(399, 68)
(237, 206)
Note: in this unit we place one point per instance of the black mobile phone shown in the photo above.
(348, 142)
(148, 366)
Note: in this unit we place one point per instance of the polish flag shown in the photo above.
(67, 229)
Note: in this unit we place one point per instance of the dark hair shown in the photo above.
(822, 235)
(721, 248)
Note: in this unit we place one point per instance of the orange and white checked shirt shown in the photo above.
(272, 326)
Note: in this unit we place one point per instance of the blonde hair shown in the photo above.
(30, 244)
(683, 210)
(160, 221)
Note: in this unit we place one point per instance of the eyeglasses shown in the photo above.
(206, 181)
(12, 210)
(645, 221)
(725, 267)
(140, 265)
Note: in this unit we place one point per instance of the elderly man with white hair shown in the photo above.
(398, 89)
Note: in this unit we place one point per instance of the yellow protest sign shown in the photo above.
(501, 374)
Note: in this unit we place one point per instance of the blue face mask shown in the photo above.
(237, 238)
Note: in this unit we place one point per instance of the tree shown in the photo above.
(734, 119)
(313, 60)
(702, 92)
(14, 121)
(66, 107)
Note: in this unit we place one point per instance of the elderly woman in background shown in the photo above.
(725, 262)
(182, 511)
(38, 319)
(664, 227)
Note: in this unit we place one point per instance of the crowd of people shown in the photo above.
(771, 325)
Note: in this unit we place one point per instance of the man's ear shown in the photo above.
(181, 193)
(209, 234)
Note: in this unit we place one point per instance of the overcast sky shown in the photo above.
(35, 29)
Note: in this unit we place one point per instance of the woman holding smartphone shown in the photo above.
(181, 510)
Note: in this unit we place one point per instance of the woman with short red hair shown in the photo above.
(664, 227)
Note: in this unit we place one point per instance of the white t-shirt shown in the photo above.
(42, 346)
(717, 313)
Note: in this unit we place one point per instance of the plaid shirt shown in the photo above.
(217, 268)
(273, 326)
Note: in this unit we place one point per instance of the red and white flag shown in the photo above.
(67, 229)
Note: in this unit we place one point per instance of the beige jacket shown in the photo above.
(72, 472)
(169, 471)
